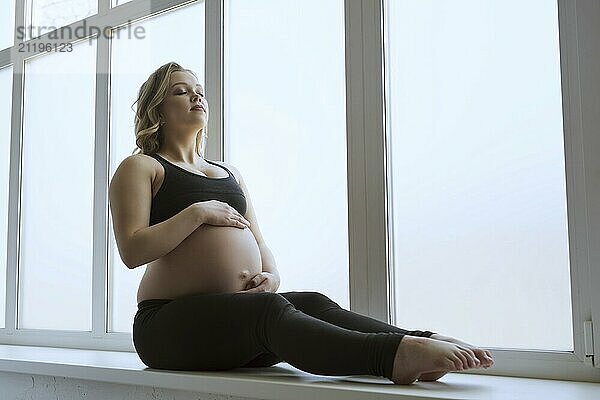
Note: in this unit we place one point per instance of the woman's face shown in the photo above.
(184, 92)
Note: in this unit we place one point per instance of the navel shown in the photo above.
(244, 274)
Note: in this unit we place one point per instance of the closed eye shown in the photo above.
(199, 94)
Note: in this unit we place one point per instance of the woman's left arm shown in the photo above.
(268, 261)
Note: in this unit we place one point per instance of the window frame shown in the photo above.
(369, 217)
(98, 338)
(553, 364)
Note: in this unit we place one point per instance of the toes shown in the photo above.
(485, 360)
(457, 363)
(464, 358)
(488, 356)
(473, 361)
(483, 356)
(450, 364)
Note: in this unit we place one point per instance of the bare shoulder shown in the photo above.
(130, 198)
(143, 158)
(138, 158)
(140, 163)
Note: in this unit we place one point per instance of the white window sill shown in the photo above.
(281, 382)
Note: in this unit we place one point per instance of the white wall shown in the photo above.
(15, 386)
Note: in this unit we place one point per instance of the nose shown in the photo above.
(196, 97)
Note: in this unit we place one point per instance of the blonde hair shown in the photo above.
(148, 131)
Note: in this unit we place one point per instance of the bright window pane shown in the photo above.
(133, 60)
(57, 192)
(5, 106)
(119, 2)
(7, 23)
(479, 196)
(44, 16)
(285, 130)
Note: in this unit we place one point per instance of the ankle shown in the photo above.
(414, 340)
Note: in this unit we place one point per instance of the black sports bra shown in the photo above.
(181, 188)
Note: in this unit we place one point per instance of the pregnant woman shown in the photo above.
(207, 300)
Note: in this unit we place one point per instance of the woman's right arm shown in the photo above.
(151, 243)
(130, 197)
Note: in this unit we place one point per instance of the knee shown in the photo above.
(312, 302)
(271, 301)
(320, 298)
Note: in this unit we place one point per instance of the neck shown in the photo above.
(180, 145)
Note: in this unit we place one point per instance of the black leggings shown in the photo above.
(211, 332)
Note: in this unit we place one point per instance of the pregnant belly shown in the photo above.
(213, 259)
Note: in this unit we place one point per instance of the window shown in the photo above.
(132, 62)
(285, 132)
(336, 114)
(43, 16)
(57, 249)
(57, 190)
(480, 207)
(119, 2)
(7, 29)
(5, 107)
(484, 238)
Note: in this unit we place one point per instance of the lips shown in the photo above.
(198, 108)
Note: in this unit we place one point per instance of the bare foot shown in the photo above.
(423, 357)
(431, 376)
(484, 356)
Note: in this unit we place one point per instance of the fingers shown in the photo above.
(260, 283)
(236, 216)
(240, 221)
(257, 281)
(256, 289)
(253, 281)
(256, 278)
(243, 221)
